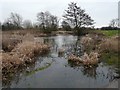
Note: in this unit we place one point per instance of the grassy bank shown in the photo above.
(109, 33)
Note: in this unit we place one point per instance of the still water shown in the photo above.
(54, 71)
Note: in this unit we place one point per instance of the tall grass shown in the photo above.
(103, 45)
(109, 45)
(20, 50)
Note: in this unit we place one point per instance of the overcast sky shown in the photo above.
(102, 11)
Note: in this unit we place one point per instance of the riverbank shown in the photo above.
(106, 45)
(19, 43)
(19, 50)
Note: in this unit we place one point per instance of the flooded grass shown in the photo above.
(38, 69)
(110, 58)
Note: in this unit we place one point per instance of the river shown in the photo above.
(54, 71)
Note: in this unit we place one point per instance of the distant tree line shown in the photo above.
(13, 22)
(47, 22)
(114, 25)
(74, 18)
(109, 28)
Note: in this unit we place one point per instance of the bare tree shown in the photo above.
(7, 25)
(41, 19)
(66, 26)
(27, 24)
(47, 20)
(54, 22)
(76, 16)
(15, 19)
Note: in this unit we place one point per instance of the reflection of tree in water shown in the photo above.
(118, 72)
(91, 72)
(73, 65)
(117, 67)
(75, 48)
(70, 46)
(94, 72)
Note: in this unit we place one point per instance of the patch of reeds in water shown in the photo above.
(88, 60)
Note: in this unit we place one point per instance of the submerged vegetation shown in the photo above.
(38, 69)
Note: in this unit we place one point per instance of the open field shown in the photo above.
(110, 33)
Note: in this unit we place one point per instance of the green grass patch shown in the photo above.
(110, 58)
(109, 33)
(38, 69)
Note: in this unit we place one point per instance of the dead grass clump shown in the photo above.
(87, 60)
(9, 44)
(89, 43)
(61, 52)
(86, 40)
(74, 59)
(25, 49)
(28, 37)
(23, 54)
(30, 49)
(0, 62)
(41, 48)
(91, 59)
(10, 62)
(109, 45)
(19, 50)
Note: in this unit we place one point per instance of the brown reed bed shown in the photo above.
(19, 50)
(94, 47)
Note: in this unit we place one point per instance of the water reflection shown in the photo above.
(91, 72)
